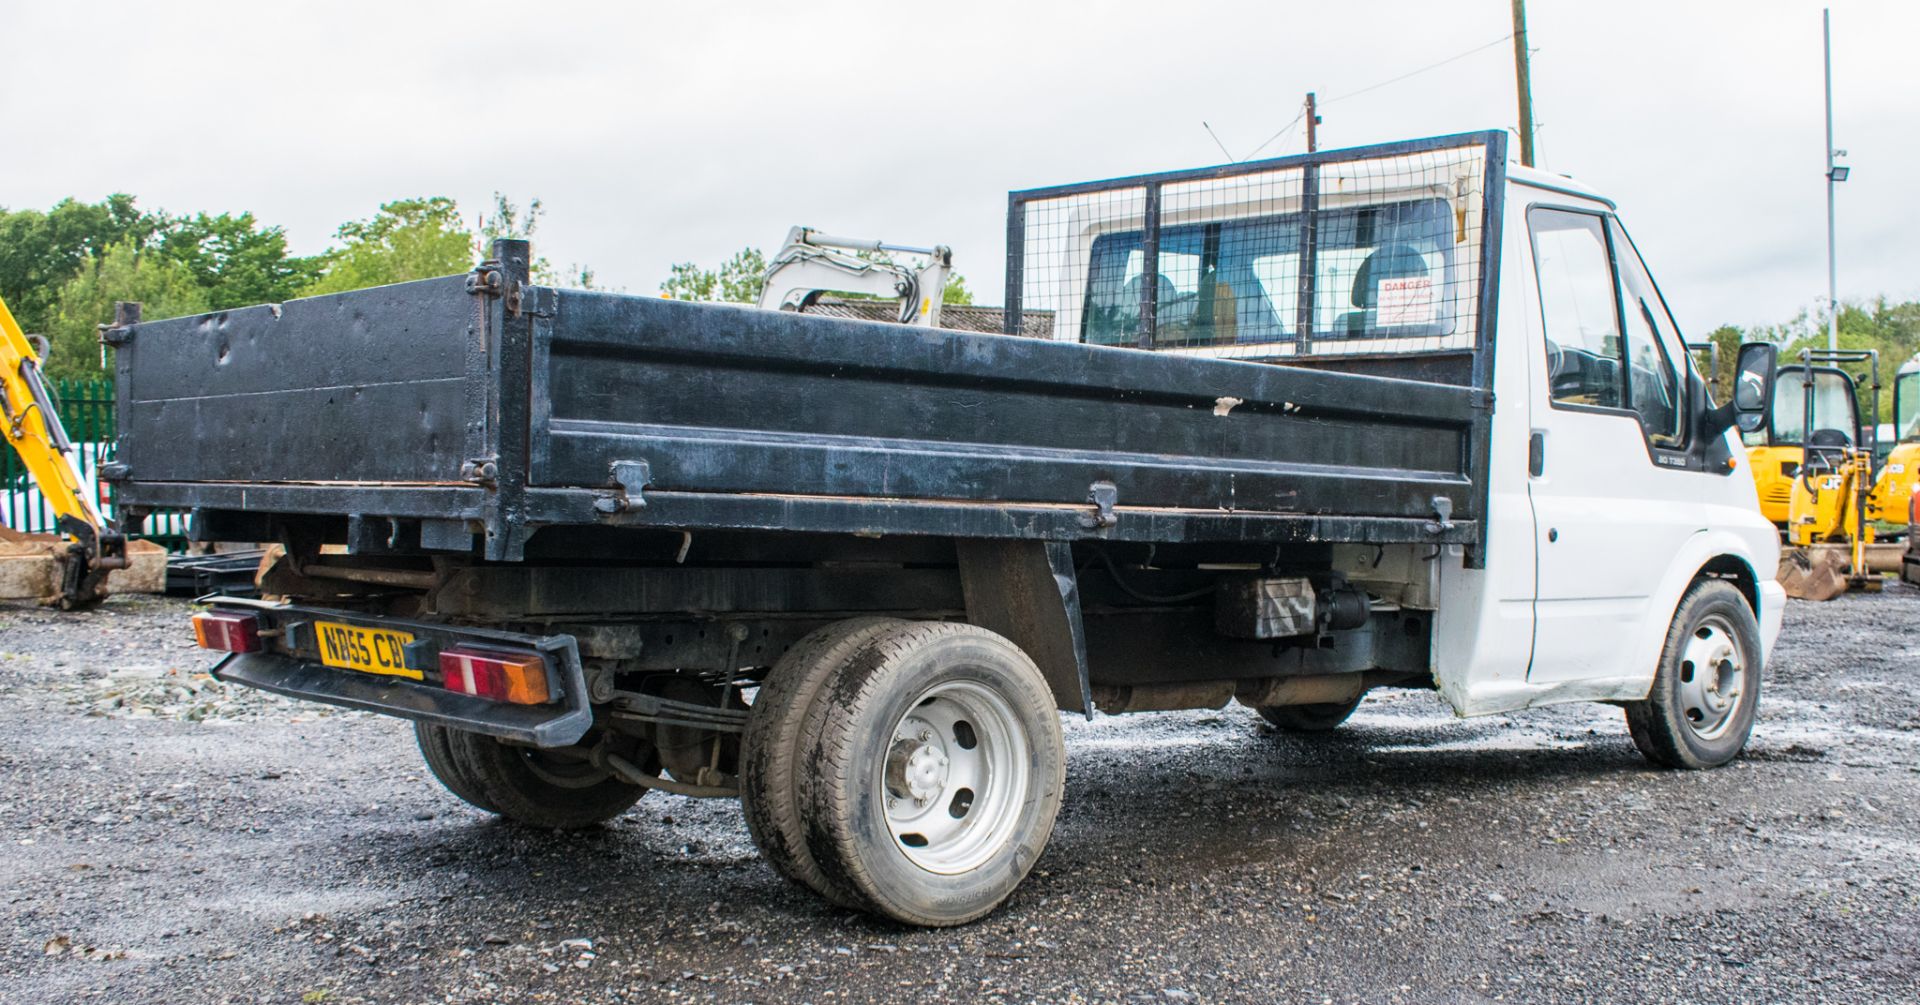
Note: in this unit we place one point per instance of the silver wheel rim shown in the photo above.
(954, 777)
(1713, 678)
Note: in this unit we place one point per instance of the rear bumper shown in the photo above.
(299, 674)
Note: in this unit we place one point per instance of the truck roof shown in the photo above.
(1560, 182)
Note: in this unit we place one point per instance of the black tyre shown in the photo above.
(1317, 718)
(540, 788)
(1701, 708)
(931, 784)
(436, 749)
(769, 751)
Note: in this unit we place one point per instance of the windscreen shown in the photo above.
(1364, 252)
(1906, 406)
(1833, 405)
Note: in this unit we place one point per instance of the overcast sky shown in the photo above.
(662, 132)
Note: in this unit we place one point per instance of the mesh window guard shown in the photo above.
(1369, 251)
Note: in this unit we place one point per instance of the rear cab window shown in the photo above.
(1379, 272)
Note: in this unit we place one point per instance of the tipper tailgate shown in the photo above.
(368, 386)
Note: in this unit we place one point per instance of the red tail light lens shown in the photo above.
(227, 632)
(498, 675)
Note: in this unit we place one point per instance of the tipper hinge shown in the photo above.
(630, 479)
(480, 470)
(488, 280)
(126, 314)
(1103, 495)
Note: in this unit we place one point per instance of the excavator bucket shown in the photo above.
(1813, 573)
(52, 570)
(36, 567)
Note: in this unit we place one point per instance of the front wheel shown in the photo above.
(932, 781)
(1701, 708)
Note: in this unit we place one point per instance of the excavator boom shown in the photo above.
(92, 547)
(810, 263)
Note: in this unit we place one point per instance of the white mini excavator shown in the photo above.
(812, 263)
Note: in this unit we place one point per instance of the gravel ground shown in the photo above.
(169, 839)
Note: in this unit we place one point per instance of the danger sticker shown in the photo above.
(1407, 300)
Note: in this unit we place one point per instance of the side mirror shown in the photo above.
(1753, 385)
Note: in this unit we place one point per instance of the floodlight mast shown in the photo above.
(1835, 175)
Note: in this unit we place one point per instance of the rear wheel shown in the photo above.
(783, 711)
(1701, 708)
(1317, 718)
(934, 777)
(436, 749)
(532, 786)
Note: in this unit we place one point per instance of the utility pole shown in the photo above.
(1835, 175)
(1523, 77)
(1313, 121)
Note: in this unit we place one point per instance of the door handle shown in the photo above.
(1537, 453)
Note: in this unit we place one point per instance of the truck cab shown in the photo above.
(1617, 473)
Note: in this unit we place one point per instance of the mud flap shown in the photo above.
(1027, 591)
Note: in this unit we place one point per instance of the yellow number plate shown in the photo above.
(369, 650)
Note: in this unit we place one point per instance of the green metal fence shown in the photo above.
(86, 410)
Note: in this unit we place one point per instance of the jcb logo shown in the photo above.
(1830, 483)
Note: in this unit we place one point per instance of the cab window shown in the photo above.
(1906, 406)
(1578, 307)
(1833, 407)
(1652, 379)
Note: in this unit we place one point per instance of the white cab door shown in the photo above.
(1608, 474)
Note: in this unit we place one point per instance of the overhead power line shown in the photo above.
(1416, 73)
(1283, 130)
(1216, 139)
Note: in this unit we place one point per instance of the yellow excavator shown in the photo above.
(1892, 498)
(1836, 493)
(88, 545)
(1776, 450)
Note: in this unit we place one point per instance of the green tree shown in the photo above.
(40, 252)
(1890, 329)
(738, 280)
(407, 239)
(165, 288)
(956, 291)
(1726, 341)
(507, 221)
(238, 261)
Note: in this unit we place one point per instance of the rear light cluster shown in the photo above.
(520, 678)
(495, 674)
(227, 632)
